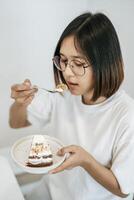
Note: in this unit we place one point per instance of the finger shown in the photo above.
(25, 93)
(68, 149)
(13, 94)
(27, 82)
(25, 100)
(65, 165)
(19, 87)
(29, 100)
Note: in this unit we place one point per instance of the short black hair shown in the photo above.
(96, 38)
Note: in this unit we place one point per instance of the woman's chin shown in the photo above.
(75, 92)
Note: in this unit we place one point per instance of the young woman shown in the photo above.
(94, 118)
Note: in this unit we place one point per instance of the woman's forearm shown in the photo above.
(18, 116)
(103, 175)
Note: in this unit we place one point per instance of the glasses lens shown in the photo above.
(56, 61)
(77, 68)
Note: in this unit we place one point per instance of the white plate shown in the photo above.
(20, 152)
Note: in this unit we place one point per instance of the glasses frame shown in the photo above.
(71, 66)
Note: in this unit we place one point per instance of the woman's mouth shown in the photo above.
(72, 85)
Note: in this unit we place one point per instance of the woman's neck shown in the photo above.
(86, 99)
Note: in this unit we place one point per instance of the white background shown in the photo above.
(29, 31)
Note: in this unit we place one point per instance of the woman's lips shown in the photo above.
(72, 85)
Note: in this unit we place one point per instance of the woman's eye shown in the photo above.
(79, 64)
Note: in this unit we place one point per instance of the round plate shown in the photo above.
(20, 152)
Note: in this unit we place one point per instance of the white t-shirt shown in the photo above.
(105, 130)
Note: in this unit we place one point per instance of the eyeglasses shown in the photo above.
(77, 67)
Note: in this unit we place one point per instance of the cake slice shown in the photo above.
(61, 87)
(40, 154)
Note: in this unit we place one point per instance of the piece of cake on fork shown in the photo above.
(40, 154)
(61, 87)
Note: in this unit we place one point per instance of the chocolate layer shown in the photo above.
(39, 165)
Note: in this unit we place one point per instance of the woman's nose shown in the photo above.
(68, 71)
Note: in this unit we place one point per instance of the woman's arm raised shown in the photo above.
(23, 94)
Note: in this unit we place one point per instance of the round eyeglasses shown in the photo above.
(77, 67)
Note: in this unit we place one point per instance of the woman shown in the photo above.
(94, 117)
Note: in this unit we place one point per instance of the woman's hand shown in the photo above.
(23, 93)
(78, 156)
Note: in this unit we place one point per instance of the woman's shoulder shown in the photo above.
(125, 107)
(127, 101)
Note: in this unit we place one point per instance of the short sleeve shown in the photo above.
(39, 111)
(123, 161)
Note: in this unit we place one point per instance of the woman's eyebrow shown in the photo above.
(73, 56)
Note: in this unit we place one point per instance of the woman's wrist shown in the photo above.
(86, 162)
